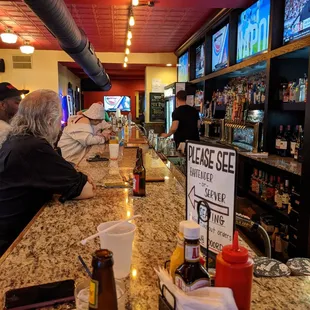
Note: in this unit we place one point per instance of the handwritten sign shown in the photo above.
(157, 107)
(211, 178)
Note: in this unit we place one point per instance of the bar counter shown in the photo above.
(47, 250)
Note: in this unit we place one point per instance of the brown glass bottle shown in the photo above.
(139, 176)
(191, 275)
(102, 291)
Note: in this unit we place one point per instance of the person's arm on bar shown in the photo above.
(87, 192)
(172, 130)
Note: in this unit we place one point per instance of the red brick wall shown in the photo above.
(119, 88)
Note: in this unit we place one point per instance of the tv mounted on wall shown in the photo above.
(111, 103)
(220, 48)
(296, 19)
(253, 30)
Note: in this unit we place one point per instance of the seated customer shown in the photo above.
(82, 132)
(30, 170)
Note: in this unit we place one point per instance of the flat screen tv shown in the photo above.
(296, 19)
(200, 61)
(183, 68)
(220, 48)
(253, 30)
(111, 103)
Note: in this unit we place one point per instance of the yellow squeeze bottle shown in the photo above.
(177, 257)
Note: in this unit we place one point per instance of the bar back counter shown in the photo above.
(48, 249)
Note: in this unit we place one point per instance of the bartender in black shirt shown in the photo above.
(185, 121)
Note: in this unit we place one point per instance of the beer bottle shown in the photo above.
(191, 275)
(102, 290)
(139, 176)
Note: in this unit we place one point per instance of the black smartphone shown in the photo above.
(39, 296)
(96, 158)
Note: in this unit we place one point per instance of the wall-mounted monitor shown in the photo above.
(296, 19)
(253, 30)
(111, 103)
(220, 48)
(183, 68)
(200, 61)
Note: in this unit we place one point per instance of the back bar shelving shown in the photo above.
(288, 61)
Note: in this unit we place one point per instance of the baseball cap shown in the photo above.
(7, 90)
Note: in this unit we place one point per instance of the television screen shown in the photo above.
(200, 61)
(220, 48)
(253, 30)
(183, 68)
(111, 103)
(296, 19)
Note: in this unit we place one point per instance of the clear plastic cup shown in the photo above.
(119, 241)
(81, 294)
(114, 150)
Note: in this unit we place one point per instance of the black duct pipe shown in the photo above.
(57, 18)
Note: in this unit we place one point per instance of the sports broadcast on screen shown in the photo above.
(253, 30)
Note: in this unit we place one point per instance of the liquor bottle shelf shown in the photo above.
(267, 204)
(293, 106)
(283, 163)
(287, 106)
(258, 106)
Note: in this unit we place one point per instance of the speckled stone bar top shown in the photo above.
(48, 250)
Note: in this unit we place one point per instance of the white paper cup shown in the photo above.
(119, 241)
(114, 150)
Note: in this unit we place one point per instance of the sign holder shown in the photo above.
(212, 193)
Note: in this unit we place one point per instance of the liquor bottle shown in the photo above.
(278, 139)
(273, 236)
(191, 275)
(284, 145)
(277, 189)
(102, 287)
(280, 194)
(287, 136)
(264, 186)
(139, 174)
(254, 180)
(285, 196)
(293, 141)
(259, 180)
(302, 90)
(270, 189)
(300, 156)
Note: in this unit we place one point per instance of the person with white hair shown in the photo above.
(31, 171)
(82, 132)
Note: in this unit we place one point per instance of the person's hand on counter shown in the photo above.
(164, 135)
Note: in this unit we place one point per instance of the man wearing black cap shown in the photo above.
(10, 98)
(185, 121)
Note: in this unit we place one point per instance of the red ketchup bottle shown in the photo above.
(234, 269)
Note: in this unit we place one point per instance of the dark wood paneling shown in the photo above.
(232, 39)
(304, 233)
(276, 24)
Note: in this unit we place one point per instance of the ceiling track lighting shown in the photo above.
(9, 36)
(126, 59)
(129, 34)
(27, 48)
(135, 2)
(131, 17)
(127, 51)
(128, 42)
(125, 65)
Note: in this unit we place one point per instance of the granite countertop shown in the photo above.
(283, 163)
(48, 250)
